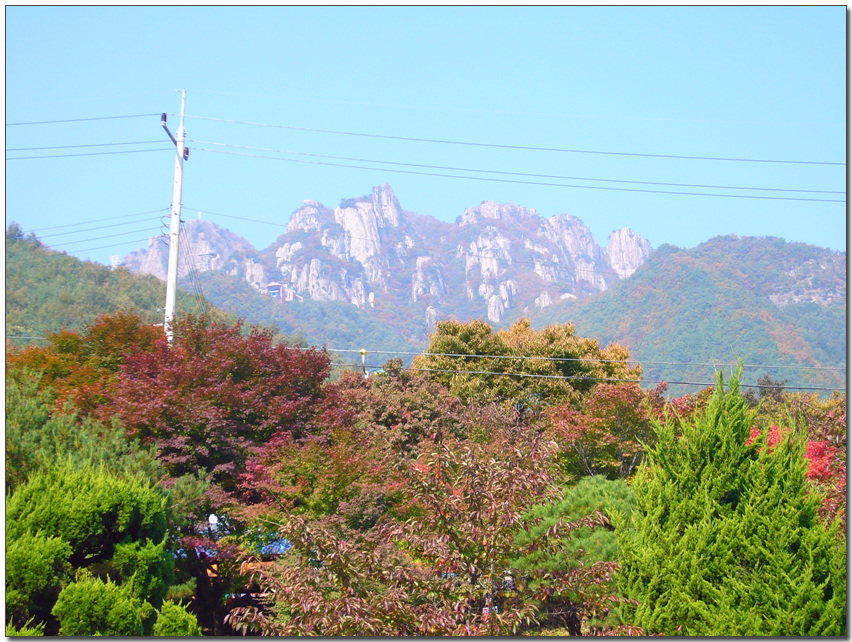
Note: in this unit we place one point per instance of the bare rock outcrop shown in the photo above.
(626, 251)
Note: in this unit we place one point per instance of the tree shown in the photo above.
(608, 433)
(207, 401)
(40, 436)
(86, 520)
(614, 499)
(208, 404)
(519, 366)
(447, 570)
(728, 540)
(81, 366)
(173, 620)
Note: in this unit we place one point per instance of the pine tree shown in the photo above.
(727, 540)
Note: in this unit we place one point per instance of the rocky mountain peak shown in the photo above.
(203, 246)
(369, 252)
(626, 251)
(489, 210)
(380, 209)
(311, 216)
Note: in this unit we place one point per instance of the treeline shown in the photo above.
(506, 483)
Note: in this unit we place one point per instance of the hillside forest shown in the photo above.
(513, 481)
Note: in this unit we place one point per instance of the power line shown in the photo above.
(130, 151)
(585, 359)
(239, 218)
(189, 258)
(98, 238)
(518, 182)
(489, 171)
(79, 120)
(521, 147)
(90, 229)
(598, 379)
(69, 253)
(101, 247)
(98, 220)
(28, 149)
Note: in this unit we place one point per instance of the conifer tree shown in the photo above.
(727, 540)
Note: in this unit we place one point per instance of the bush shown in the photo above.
(35, 566)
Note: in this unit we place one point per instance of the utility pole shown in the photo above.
(174, 231)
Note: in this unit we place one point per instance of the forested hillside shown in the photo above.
(333, 324)
(763, 300)
(48, 290)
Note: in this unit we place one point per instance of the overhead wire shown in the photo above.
(519, 147)
(129, 151)
(587, 359)
(519, 182)
(29, 149)
(79, 120)
(489, 171)
(703, 384)
(108, 236)
(90, 229)
(189, 257)
(98, 220)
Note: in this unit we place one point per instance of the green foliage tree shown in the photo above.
(586, 545)
(39, 436)
(582, 547)
(727, 540)
(91, 606)
(174, 621)
(89, 520)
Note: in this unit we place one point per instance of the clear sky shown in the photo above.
(636, 85)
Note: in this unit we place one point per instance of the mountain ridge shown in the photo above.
(493, 259)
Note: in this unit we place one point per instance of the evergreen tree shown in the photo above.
(727, 540)
(173, 621)
(88, 522)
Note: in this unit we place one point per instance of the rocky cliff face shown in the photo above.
(204, 246)
(626, 251)
(371, 253)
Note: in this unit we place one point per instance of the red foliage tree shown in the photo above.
(605, 435)
(445, 571)
(215, 395)
(81, 367)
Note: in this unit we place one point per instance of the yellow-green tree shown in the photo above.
(520, 366)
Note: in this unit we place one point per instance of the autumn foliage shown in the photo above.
(505, 481)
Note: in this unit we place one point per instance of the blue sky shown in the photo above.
(638, 83)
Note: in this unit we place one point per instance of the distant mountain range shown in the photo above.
(368, 274)
(410, 270)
